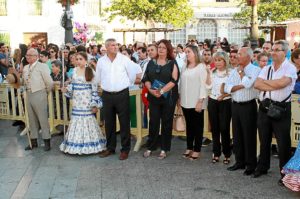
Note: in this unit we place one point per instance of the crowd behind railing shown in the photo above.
(248, 85)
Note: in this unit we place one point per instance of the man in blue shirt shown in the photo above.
(3, 59)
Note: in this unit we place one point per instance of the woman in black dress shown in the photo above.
(161, 78)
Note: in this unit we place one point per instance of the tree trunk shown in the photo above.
(254, 21)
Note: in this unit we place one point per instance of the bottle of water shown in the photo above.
(1, 79)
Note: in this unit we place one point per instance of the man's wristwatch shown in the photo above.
(161, 91)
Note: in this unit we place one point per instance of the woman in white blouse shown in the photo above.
(193, 92)
(219, 107)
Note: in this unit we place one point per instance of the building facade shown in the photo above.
(212, 19)
(25, 21)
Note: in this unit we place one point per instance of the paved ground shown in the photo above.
(37, 174)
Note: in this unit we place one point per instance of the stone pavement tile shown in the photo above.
(64, 188)
(14, 162)
(3, 143)
(13, 149)
(42, 182)
(69, 173)
(10, 176)
(7, 188)
(25, 181)
(88, 188)
(62, 160)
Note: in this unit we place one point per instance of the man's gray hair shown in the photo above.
(249, 52)
(35, 52)
(284, 44)
(109, 40)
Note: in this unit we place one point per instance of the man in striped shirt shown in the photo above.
(244, 111)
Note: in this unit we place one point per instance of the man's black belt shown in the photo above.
(115, 92)
(243, 103)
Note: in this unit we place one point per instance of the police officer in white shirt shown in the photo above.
(276, 83)
(244, 111)
(115, 73)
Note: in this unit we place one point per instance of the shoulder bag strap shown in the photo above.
(267, 79)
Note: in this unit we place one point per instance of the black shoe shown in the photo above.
(259, 173)
(280, 182)
(34, 144)
(18, 123)
(235, 167)
(206, 142)
(248, 172)
(47, 145)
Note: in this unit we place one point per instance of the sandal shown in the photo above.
(162, 155)
(215, 159)
(194, 156)
(226, 161)
(187, 153)
(147, 154)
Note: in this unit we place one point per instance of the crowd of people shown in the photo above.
(247, 85)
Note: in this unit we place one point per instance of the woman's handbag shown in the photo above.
(179, 121)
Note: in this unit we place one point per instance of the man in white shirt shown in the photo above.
(244, 111)
(115, 73)
(276, 83)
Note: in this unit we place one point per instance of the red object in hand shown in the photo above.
(144, 96)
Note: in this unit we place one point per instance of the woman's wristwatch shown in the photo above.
(161, 91)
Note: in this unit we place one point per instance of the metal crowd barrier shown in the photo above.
(12, 107)
(59, 113)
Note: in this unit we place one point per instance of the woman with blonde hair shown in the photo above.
(219, 107)
(193, 93)
(17, 58)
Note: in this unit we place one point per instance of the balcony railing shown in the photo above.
(3, 7)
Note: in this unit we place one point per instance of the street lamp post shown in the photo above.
(68, 26)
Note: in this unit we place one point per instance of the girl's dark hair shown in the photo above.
(83, 54)
(170, 54)
(23, 48)
(89, 74)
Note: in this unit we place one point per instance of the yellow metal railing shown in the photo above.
(13, 107)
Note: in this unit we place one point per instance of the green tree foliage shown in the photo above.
(174, 12)
(275, 10)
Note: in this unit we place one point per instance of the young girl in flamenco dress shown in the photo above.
(84, 135)
(292, 172)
